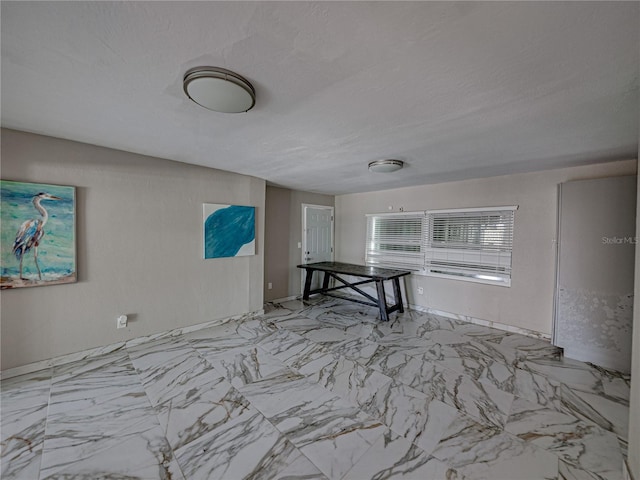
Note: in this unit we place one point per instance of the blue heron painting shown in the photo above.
(229, 230)
(38, 234)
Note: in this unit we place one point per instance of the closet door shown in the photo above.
(596, 251)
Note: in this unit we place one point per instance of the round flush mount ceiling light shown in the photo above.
(219, 90)
(385, 166)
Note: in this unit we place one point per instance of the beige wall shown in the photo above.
(634, 407)
(284, 232)
(528, 303)
(276, 242)
(139, 237)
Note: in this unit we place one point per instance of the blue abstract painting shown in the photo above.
(37, 234)
(229, 230)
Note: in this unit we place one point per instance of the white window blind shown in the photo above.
(473, 244)
(395, 240)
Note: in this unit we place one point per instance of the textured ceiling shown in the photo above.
(456, 90)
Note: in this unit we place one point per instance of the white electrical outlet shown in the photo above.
(121, 321)
(269, 286)
(420, 290)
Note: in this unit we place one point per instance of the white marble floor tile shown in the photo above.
(579, 444)
(480, 452)
(468, 358)
(336, 453)
(617, 387)
(196, 413)
(483, 402)
(297, 323)
(292, 349)
(351, 381)
(393, 457)
(569, 472)
(255, 329)
(410, 345)
(524, 383)
(322, 417)
(94, 369)
(480, 332)
(411, 414)
(418, 373)
(531, 347)
(140, 451)
(355, 348)
(24, 403)
(328, 335)
(320, 390)
(168, 370)
(387, 360)
(245, 447)
(608, 413)
(346, 313)
(578, 375)
(244, 365)
(499, 353)
(443, 336)
(287, 392)
(26, 390)
(22, 442)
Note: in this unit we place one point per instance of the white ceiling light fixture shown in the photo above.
(385, 166)
(219, 90)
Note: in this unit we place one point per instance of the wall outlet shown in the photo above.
(121, 321)
(420, 290)
(269, 286)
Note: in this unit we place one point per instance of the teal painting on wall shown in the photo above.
(229, 230)
(38, 234)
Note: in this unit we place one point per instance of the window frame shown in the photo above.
(406, 259)
(443, 258)
(473, 258)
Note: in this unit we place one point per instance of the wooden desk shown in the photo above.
(375, 275)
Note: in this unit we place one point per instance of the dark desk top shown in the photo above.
(376, 273)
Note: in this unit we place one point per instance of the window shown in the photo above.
(395, 240)
(472, 244)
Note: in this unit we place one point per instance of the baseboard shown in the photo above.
(285, 299)
(626, 472)
(114, 347)
(484, 323)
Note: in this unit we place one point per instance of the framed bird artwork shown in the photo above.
(37, 234)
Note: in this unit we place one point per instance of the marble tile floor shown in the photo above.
(320, 390)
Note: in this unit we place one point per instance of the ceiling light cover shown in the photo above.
(219, 90)
(385, 166)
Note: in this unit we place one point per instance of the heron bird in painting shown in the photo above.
(32, 231)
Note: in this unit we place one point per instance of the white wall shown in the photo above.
(139, 237)
(528, 303)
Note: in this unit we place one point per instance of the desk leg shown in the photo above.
(325, 281)
(382, 301)
(398, 294)
(307, 284)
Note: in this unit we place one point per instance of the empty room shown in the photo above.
(319, 240)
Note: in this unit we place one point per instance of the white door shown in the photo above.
(317, 236)
(596, 257)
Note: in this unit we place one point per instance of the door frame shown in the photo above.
(303, 209)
